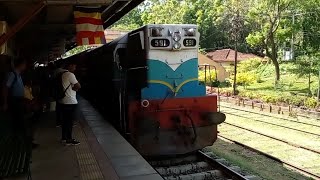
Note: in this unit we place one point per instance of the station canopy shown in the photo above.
(38, 28)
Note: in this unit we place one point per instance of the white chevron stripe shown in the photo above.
(173, 58)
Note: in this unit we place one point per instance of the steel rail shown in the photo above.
(305, 172)
(224, 168)
(306, 132)
(275, 138)
(286, 119)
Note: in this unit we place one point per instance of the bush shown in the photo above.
(226, 91)
(245, 79)
(248, 94)
(259, 80)
(202, 77)
(225, 84)
(265, 70)
(270, 99)
(296, 100)
(249, 65)
(215, 84)
(311, 102)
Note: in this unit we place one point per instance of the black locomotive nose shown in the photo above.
(214, 117)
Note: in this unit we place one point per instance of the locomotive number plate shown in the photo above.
(160, 42)
(189, 42)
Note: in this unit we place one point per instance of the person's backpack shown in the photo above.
(59, 91)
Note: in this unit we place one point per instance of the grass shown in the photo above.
(277, 116)
(289, 84)
(291, 89)
(300, 157)
(297, 156)
(253, 163)
(275, 120)
(308, 140)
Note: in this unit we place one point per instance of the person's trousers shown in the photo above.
(20, 125)
(68, 116)
(58, 114)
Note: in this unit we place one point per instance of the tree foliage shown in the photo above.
(262, 27)
(130, 21)
(268, 18)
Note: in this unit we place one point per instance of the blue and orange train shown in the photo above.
(157, 100)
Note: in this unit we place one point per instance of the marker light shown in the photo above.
(176, 37)
(176, 46)
(156, 32)
(190, 31)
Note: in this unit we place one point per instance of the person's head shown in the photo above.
(20, 64)
(71, 66)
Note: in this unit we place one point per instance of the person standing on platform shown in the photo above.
(69, 103)
(32, 107)
(13, 98)
(56, 74)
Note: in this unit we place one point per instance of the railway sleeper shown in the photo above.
(184, 169)
(177, 161)
(213, 174)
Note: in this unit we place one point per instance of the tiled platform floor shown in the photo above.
(102, 155)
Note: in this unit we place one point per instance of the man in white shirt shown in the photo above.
(69, 103)
(56, 73)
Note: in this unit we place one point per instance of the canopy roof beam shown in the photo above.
(23, 21)
(62, 2)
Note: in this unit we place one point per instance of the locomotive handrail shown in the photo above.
(135, 68)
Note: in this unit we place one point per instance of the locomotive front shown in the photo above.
(174, 115)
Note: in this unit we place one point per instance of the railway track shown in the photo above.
(291, 165)
(266, 115)
(299, 157)
(275, 138)
(274, 124)
(198, 166)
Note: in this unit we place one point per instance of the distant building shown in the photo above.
(111, 34)
(226, 57)
(222, 74)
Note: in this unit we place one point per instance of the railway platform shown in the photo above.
(102, 155)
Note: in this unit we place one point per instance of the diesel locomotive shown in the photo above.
(146, 83)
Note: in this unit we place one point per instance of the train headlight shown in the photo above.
(156, 32)
(176, 46)
(190, 31)
(176, 37)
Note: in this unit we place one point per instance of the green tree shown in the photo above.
(267, 17)
(308, 65)
(205, 13)
(130, 21)
(306, 30)
(165, 12)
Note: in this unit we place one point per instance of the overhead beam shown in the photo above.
(62, 2)
(121, 12)
(114, 7)
(23, 21)
(52, 27)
